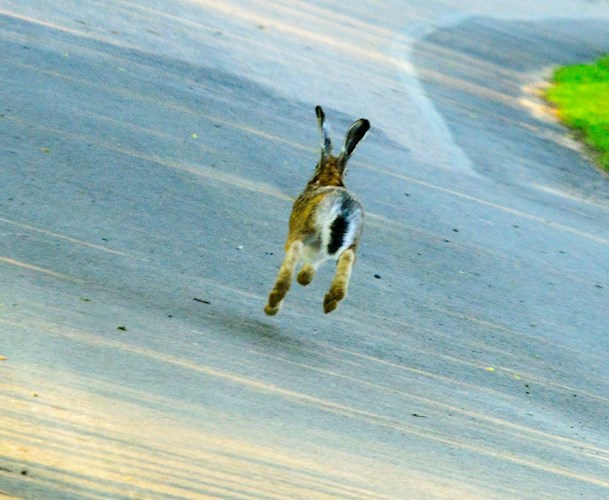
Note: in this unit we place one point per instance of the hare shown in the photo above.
(325, 223)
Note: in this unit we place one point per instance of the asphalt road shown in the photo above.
(148, 156)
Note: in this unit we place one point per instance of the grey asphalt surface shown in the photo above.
(148, 156)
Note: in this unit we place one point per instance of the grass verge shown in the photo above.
(581, 96)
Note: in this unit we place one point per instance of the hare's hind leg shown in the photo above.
(340, 283)
(284, 278)
(306, 274)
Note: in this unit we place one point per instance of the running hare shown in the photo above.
(325, 223)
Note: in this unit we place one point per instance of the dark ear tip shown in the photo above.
(319, 112)
(365, 124)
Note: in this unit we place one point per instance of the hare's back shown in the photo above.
(333, 221)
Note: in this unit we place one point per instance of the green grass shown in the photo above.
(581, 96)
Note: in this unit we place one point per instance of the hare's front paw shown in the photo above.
(270, 310)
(274, 303)
(306, 274)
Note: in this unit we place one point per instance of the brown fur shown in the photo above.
(302, 218)
(284, 279)
(304, 232)
(340, 283)
(329, 172)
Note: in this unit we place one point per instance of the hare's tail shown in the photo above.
(342, 225)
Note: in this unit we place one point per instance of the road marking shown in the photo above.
(52, 234)
(30, 267)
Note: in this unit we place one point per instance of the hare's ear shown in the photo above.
(356, 133)
(324, 128)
